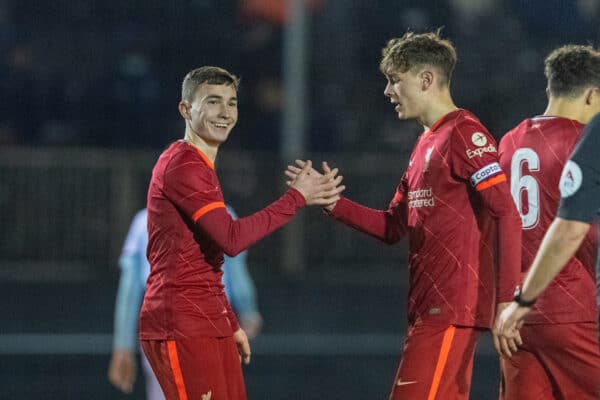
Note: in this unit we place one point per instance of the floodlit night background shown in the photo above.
(89, 92)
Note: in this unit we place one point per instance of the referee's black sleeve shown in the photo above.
(580, 180)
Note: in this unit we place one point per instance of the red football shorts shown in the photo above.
(559, 361)
(437, 363)
(201, 368)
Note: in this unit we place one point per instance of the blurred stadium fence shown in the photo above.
(65, 211)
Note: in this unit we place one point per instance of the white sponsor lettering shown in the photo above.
(486, 172)
(571, 179)
(481, 151)
(479, 139)
(421, 198)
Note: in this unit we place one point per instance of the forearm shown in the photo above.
(498, 201)
(560, 243)
(509, 256)
(383, 225)
(235, 236)
(129, 295)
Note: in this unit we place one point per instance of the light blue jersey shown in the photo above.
(135, 269)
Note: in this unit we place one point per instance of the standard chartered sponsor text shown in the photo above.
(421, 198)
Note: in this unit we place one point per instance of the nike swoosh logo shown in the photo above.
(400, 383)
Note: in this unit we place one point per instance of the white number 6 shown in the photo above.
(525, 183)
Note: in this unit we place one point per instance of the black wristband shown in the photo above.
(521, 302)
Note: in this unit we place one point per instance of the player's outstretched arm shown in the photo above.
(388, 226)
(235, 236)
(560, 243)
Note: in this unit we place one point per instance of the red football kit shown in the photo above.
(464, 233)
(184, 303)
(560, 358)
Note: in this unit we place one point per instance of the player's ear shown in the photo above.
(184, 109)
(427, 78)
(592, 95)
(548, 92)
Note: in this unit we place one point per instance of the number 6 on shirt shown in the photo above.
(521, 182)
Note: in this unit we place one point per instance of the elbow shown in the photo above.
(230, 250)
(395, 233)
(510, 215)
(570, 231)
(391, 240)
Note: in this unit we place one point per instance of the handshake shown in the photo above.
(318, 188)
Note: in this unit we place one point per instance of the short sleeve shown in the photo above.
(580, 193)
(580, 179)
(192, 185)
(474, 156)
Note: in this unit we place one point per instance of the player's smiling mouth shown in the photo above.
(220, 125)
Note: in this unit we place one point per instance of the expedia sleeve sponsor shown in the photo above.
(479, 152)
(485, 173)
(421, 198)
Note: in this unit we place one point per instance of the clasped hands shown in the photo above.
(318, 188)
(506, 331)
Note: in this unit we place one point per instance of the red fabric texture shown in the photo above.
(185, 296)
(538, 148)
(437, 363)
(463, 243)
(205, 369)
(556, 362)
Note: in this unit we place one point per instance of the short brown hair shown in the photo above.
(412, 50)
(206, 74)
(571, 68)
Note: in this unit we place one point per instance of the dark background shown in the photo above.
(89, 92)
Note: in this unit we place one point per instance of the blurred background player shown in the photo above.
(135, 269)
(448, 202)
(559, 357)
(598, 287)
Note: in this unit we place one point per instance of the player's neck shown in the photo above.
(208, 150)
(566, 108)
(436, 109)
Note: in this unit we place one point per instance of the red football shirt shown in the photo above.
(533, 155)
(447, 202)
(189, 229)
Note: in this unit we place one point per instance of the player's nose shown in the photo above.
(388, 90)
(224, 112)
